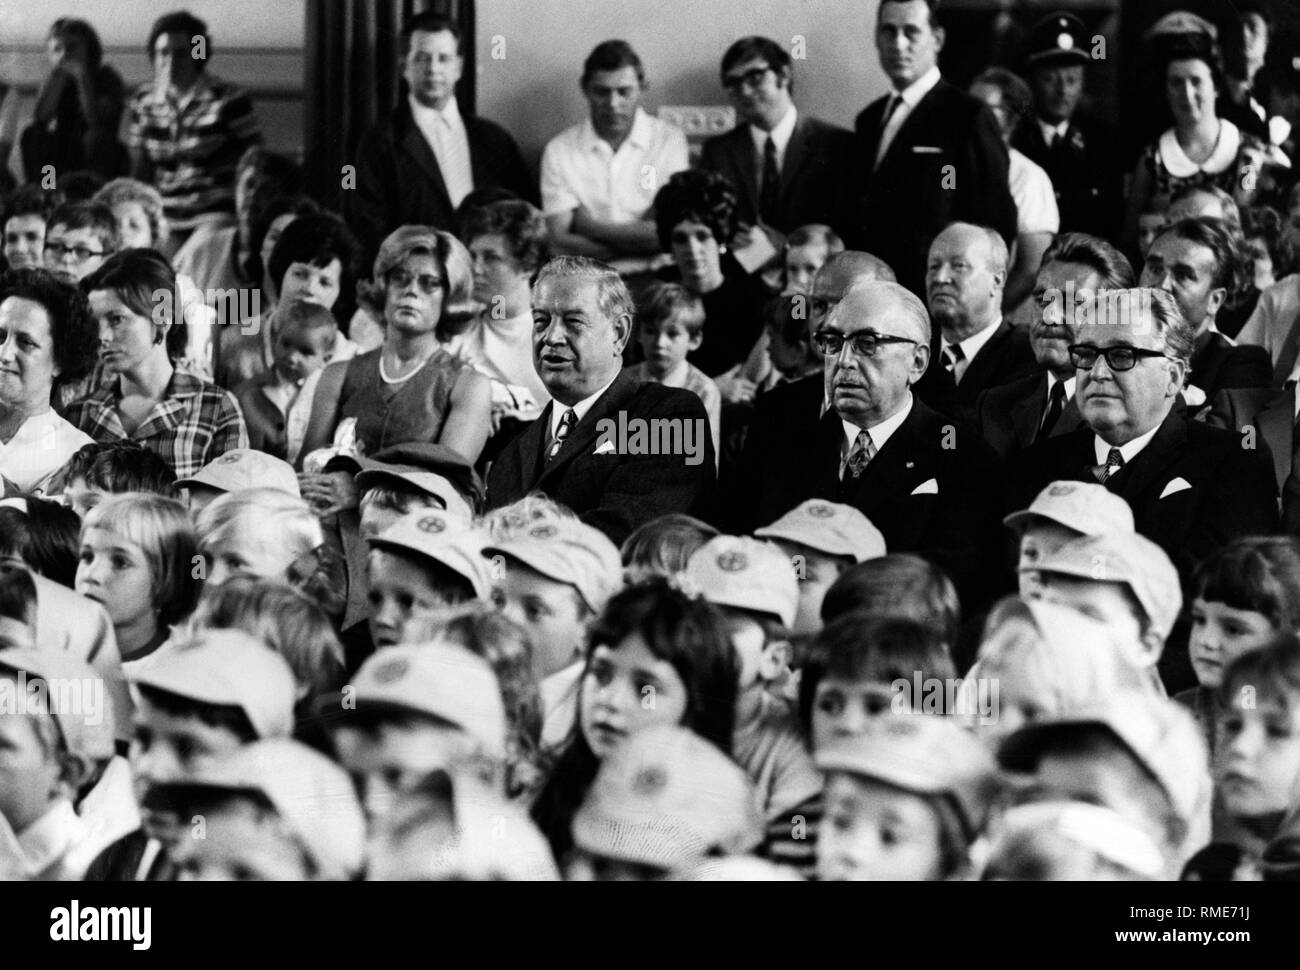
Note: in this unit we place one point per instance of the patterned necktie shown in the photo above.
(1114, 462)
(567, 421)
(453, 161)
(770, 192)
(860, 455)
(1055, 405)
(952, 362)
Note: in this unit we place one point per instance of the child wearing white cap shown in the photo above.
(236, 470)
(1059, 513)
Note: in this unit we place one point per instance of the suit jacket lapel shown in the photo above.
(1276, 426)
(414, 144)
(918, 118)
(982, 362)
(587, 430)
(887, 473)
(1027, 414)
(742, 147)
(1070, 419)
(1166, 447)
(796, 152)
(531, 443)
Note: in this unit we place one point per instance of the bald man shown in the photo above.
(975, 348)
(929, 485)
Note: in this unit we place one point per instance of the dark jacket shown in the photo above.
(1086, 170)
(617, 490)
(946, 163)
(1219, 365)
(1009, 416)
(399, 182)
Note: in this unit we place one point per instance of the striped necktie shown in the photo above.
(1114, 462)
(567, 421)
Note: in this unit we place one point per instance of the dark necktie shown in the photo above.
(1055, 405)
(1114, 462)
(770, 192)
(894, 102)
(953, 355)
(567, 421)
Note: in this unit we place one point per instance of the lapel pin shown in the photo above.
(911, 464)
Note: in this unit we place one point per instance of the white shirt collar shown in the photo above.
(579, 409)
(1069, 383)
(1225, 151)
(918, 89)
(1129, 450)
(1049, 130)
(880, 433)
(639, 137)
(450, 112)
(972, 344)
(781, 135)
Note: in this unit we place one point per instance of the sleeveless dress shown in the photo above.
(415, 409)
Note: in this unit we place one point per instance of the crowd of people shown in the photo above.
(914, 502)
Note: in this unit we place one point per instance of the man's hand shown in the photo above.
(734, 388)
(329, 493)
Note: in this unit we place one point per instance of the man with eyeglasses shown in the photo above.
(80, 237)
(927, 153)
(929, 485)
(1191, 487)
(789, 168)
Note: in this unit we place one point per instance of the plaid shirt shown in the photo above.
(195, 148)
(194, 423)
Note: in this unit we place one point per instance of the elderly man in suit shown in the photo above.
(975, 347)
(788, 167)
(599, 445)
(1191, 487)
(1195, 261)
(1043, 405)
(928, 486)
(418, 165)
(930, 152)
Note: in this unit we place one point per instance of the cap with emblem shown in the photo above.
(1161, 735)
(313, 796)
(668, 798)
(439, 680)
(444, 538)
(745, 574)
(226, 667)
(568, 551)
(1087, 508)
(76, 697)
(924, 754)
(1132, 560)
(1058, 38)
(1181, 24)
(428, 467)
(830, 527)
(242, 468)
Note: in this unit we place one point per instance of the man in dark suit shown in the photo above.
(788, 168)
(616, 451)
(418, 165)
(1078, 152)
(1194, 260)
(1041, 406)
(1267, 416)
(930, 153)
(1191, 487)
(929, 487)
(975, 347)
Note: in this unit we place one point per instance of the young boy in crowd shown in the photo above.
(23, 222)
(412, 710)
(789, 343)
(670, 326)
(50, 746)
(663, 546)
(822, 540)
(196, 700)
(701, 805)
(419, 566)
(79, 237)
(753, 584)
(277, 403)
(1124, 581)
(904, 802)
(1059, 513)
(236, 470)
(271, 810)
(1136, 753)
(558, 574)
(100, 470)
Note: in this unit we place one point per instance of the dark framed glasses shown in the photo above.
(750, 79)
(400, 279)
(58, 251)
(864, 344)
(1121, 358)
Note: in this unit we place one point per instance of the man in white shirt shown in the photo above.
(964, 280)
(419, 165)
(599, 177)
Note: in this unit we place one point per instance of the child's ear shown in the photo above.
(775, 661)
(697, 338)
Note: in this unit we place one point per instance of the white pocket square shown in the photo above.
(605, 448)
(927, 488)
(927, 149)
(1177, 485)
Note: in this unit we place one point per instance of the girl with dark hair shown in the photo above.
(655, 656)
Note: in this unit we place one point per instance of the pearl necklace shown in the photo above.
(383, 375)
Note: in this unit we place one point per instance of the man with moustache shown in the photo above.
(929, 486)
(1043, 405)
(417, 166)
(599, 177)
(582, 319)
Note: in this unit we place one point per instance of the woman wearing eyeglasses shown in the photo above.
(410, 388)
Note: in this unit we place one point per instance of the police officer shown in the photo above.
(1078, 152)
